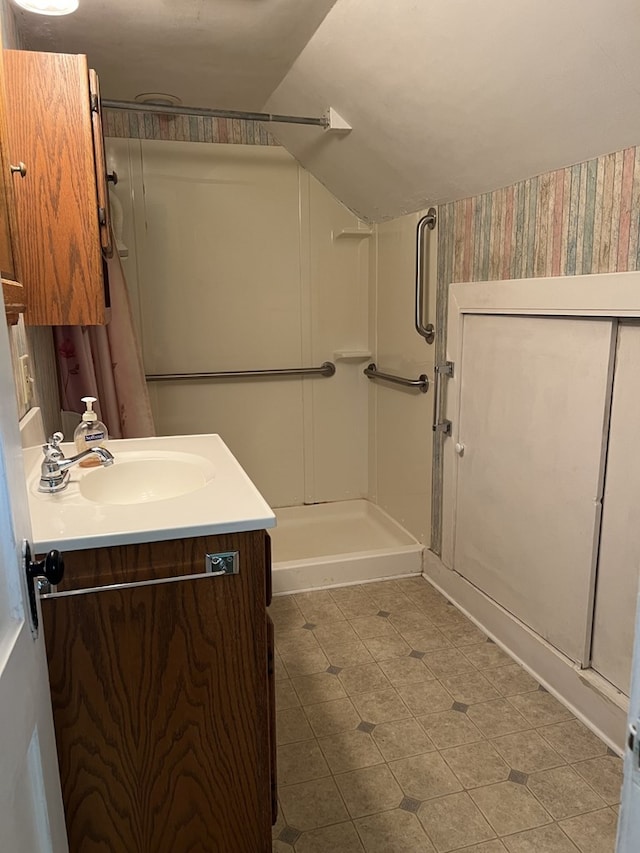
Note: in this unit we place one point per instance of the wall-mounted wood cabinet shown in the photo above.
(62, 205)
(161, 686)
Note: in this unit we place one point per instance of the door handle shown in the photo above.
(51, 568)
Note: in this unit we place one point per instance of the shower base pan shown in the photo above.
(340, 543)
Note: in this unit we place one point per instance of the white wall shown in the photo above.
(400, 419)
(233, 266)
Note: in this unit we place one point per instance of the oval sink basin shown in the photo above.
(134, 481)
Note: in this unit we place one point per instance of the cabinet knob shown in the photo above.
(20, 169)
(112, 177)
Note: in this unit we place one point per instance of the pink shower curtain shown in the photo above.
(106, 362)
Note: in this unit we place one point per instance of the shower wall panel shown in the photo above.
(233, 265)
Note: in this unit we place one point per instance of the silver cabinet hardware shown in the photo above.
(224, 563)
(440, 370)
(20, 169)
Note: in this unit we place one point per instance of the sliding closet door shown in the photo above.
(535, 394)
(619, 563)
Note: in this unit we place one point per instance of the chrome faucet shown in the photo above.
(54, 472)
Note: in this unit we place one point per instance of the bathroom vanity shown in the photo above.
(160, 651)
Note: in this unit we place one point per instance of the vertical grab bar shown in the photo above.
(440, 370)
(428, 221)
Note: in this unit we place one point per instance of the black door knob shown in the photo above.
(51, 568)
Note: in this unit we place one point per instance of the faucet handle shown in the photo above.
(51, 449)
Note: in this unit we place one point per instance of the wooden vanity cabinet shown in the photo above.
(160, 695)
(62, 206)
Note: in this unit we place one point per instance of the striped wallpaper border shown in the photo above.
(574, 221)
(125, 124)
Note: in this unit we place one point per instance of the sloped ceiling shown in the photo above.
(446, 99)
(215, 53)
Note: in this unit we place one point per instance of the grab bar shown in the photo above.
(422, 382)
(444, 426)
(428, 221)
(327, 368)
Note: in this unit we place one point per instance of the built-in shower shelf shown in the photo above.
(351, 232)
(352, 354)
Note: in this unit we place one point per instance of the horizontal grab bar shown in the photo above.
(421, 382)
(327, 368)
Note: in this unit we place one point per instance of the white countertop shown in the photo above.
(226, 502)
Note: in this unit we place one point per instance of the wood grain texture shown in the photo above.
(160, 703)
(273, 746)
(50, 130)
(106, 240)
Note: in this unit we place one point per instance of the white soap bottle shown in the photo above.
(89, 433)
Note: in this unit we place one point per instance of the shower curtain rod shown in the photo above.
(135, 106)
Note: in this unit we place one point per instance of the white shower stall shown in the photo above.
(239, 260)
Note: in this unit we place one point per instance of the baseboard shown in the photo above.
(582, 691)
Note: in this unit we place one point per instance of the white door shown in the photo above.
(619, 560)
(629, 823)
(31, 816)
(534, 402)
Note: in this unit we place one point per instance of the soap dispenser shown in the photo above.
(89, 433)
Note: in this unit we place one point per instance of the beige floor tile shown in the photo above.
(604, 774)
(573, 741)
(465, 635)
(384, 648)
(540, 708)
(380, 706)
(545, 839)
(488, 847)
(410, 622)
(487, 655)
(563, 793)
(363, 679)
(318, 607)
(296, 640)
(396, 831)
(429, 639)
(279, 824)
(449, 661)
(401, 738)
(389, 597)
(281, 673)
(424, 776)
(497, 717)
(470, 687)
(340, 838)
(350, 751)
(511, 679)
(292, 726)
(348, 654)
(527, 752)
(450, 728)
(476, 764)
(305, 662)
(367, 627)
(287, 620)
(406, 670)
(369, 791)
(594, 832)
(356, 592)
(286, 696)
(301, 762)
(280, 602)
(454, 821)
(320, 687)
(281, 847)
(310, 805)
(332, 634)
(426, 697)
(509, 807)
(446, 616)
(328, 718)
(358, 607)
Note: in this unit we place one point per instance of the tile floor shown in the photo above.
(403, 729)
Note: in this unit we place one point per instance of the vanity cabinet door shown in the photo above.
(50, 128)
(160, 699)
